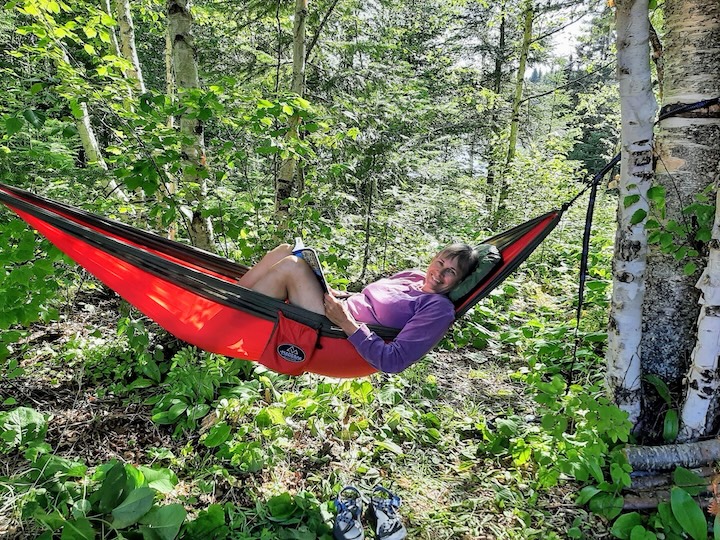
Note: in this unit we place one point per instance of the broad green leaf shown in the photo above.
(112, 488)
(78, 529)
(136, 505)
(625, 524)
(671, 425)
(390, 446)
(641, 533)
(630, 200)
(716, 528)
(638, 216)
(660, 387)
(656, 194)
(689, 269)
(281, 507)
(35, 118)
(688, 513)
(217, 435)
(606, 504)
(691, 482)
(13, 124)
(164, 521)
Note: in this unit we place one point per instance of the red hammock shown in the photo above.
(194, 296)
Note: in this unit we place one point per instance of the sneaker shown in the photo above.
(383, 516)
(349, 509)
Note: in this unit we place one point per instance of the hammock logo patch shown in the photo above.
(290, 352)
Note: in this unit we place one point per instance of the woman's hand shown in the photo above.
(338, 313)
(340, 294)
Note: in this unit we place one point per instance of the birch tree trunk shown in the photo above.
(684, 168)
(497, 88)
(502, 181)
(284, 183)
(689, 154)
(637, 106)
(185, 74)
(127, 43)
(89, 140)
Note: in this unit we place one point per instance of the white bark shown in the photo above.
(185, 74)
(284, 187)
(91, 145)
(127, 41)
(638, 113)
(698, 26)
(703, 379)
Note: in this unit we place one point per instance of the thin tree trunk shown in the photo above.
(284, 185)
(690, 152)
(503, 188)
(127, 41)
(185, 74)
(497, 88)
(91, 145)
(637, 106)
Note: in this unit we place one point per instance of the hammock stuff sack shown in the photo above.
(194, 294)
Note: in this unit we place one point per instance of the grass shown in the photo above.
(455, 436)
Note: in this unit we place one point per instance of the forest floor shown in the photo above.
(463, 494)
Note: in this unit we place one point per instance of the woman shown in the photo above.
(412, 301)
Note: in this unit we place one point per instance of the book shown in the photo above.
(309, 255)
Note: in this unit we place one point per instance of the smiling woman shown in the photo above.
(412, 301)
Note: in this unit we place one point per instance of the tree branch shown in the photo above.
(316, 35)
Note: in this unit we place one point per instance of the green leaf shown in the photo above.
(390, 446)
(281, 507)
(78, 529)
(13, 124)
(691, 482)
(112, 488)
(606, 504)
(660, 387)
(217, 435)
(135, 506)
(688, 513)
(716, 528)
(35, 118)
(671, 425)
(689, 269)
(657, 195)
(630, 200)
(625, 524)
(164, 521)
(586, 493)
(638, 216)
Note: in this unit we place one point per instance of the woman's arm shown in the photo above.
(421, 333)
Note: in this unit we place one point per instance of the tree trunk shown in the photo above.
(91, 145)
(502, 182)
(185, 74)
(637, 106)
(497, 88)
(284, 185)
(687, 163)
(689, 154)
(127, 43)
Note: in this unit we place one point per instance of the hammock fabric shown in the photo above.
(193, 294)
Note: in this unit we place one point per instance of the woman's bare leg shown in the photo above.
(291, 279)
(251, 277)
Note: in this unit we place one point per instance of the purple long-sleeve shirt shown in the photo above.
(399, 302)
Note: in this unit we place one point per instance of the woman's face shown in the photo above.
(441, 276)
